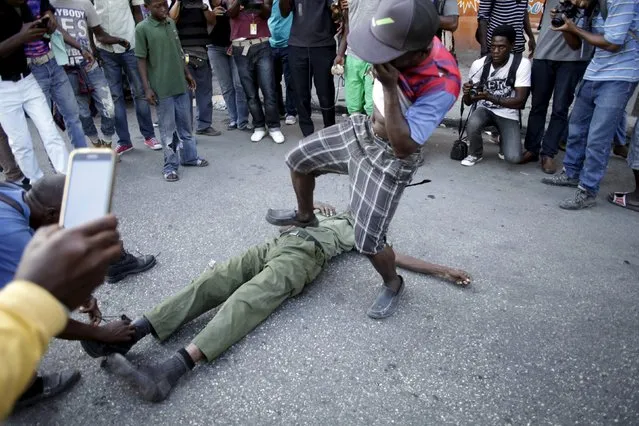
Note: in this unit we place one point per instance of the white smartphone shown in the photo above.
(89, 186)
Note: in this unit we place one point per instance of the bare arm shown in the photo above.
(70, 40)
(174, 11)
(265, 9)
(341, 50)
(516, 102)
(234, 9)
(396, 125)
(596, 40)
(104, 38)
(29, 32)
(138, 16)
(449, 23)
(422, 267)
(483, 31)
(285, 7)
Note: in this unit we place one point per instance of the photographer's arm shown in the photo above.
(516, 102)
(596, 40)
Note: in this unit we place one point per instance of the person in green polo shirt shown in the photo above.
(248, 288)
(166, 80)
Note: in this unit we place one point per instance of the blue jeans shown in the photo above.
(621, 134)
(203, 94)
(99, 91)
(56, 87)
(232, 91)
(256, 73)
(556, 80)
(280, 67)
(174, 116)
(115, 64)
(598, 109)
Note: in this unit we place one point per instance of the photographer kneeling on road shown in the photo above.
(600, 103)
(499, 84)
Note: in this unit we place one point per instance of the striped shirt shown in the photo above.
(623, 19)
(504, 12)
(37, 48)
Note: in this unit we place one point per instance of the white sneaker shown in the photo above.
(471, 160)
(276, 135)
(290, 120)
(501, 155)
(258, 134)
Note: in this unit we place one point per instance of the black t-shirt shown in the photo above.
(10, 24)
(312, 24)
(220, 35)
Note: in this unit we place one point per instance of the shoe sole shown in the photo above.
(580, 208)
(565, 185)
(75, 378)
(123, 275)
(125, 151)
(154, 148)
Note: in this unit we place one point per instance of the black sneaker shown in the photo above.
(52, 385)
(581, 200)
(129, 265)
(561, 179)
(209, 131)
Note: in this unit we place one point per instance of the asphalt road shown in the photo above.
(546, 333)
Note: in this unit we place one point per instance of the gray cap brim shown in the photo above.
(366, 47)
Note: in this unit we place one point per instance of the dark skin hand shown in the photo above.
(91, 308)
(285, 7)
(29, 32)
(532, 43)
(71, 263)
(459, 277)
(119, 331)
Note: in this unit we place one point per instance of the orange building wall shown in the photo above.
(465, 34)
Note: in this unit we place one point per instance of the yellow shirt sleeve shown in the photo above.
(29, 317)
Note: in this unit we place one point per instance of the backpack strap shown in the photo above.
(10, 201)
(486, 71)
(512, 71)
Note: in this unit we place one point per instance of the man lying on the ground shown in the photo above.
(21, 213)
(249, 288)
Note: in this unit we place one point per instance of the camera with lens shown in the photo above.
(476, 89)
(565, 7)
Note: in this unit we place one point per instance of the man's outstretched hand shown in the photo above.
(71, 263)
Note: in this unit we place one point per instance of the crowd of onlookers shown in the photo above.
(65, 62)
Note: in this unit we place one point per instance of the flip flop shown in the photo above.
(619, 199)
(288, 217)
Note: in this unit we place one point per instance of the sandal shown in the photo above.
(171, 177)
(200, 162)
(284, 217)
(619, 199)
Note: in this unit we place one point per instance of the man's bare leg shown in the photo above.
(304, 185)
(384, 263)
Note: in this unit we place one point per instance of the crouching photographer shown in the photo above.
(498, 88)
(601, 98)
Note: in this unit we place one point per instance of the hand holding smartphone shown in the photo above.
(89, 186)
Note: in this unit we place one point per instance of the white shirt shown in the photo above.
(496, 84)
(117, 20)
(378, 98)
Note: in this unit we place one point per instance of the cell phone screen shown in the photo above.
(89, 187)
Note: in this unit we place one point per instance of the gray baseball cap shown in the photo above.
(398, 26)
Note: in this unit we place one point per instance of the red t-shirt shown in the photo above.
(241, 26)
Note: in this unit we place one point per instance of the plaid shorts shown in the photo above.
(378, 178)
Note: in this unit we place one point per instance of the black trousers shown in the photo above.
(313, 65)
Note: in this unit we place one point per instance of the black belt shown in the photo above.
(16, 76)
(301, 233)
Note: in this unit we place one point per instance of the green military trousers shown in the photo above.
(249, 287)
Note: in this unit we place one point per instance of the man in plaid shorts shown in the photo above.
(417, 82)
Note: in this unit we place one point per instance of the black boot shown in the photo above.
(129, 265)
